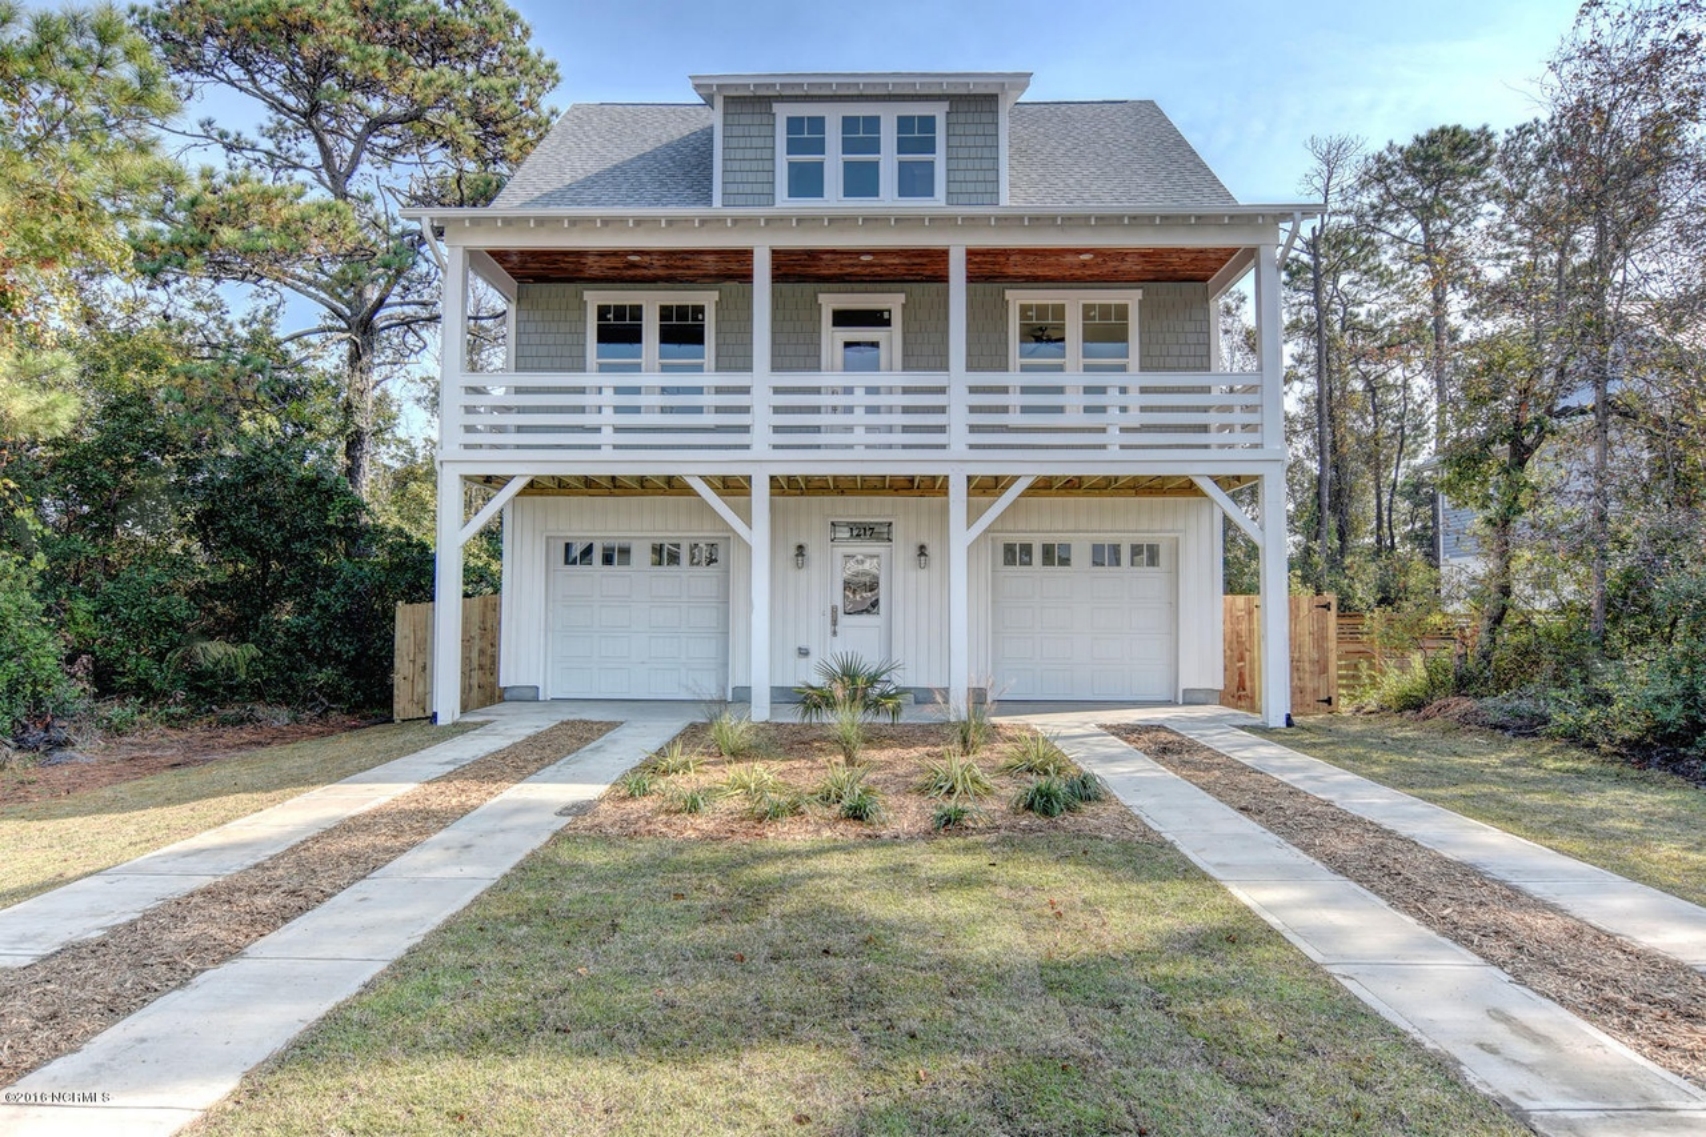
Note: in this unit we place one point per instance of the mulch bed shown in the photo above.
(56, 1004)
(1652, 1003)
(802, 754)
(124, 758)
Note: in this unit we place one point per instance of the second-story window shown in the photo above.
(860, 152)
(1077, 332)
(650, 333)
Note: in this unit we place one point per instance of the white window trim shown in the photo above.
(649, 364)
(829, 302)
(887, 182)
(1074, 299)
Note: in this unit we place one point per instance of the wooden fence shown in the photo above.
(1363, 657)
(411, 676)
(1314, 654)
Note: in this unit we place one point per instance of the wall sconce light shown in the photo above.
(799, 556)
(923, 556)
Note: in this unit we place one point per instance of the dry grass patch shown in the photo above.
(54, 1005)
(50, 842)
(786, 765)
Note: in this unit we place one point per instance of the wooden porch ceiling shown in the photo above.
(861, 485)
(842, 265)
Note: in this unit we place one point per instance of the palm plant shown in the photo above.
(847, 684)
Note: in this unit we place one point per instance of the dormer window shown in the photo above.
(850, 153)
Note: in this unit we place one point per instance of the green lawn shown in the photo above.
(48, 843)
(981, 986)
(1644, 825)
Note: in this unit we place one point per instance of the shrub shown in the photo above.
(956, 815)
(1046, 797)
(847, 731)
(734, 735)
(849, 685)
(673, 759)
(1085, 788)
(1034, 753)
(31, 680)
(1428, 679)
(775, 806)
(637, 783)
(751, 781)
(689, 801)
(844, 790)
(971, 726)
(955, 777)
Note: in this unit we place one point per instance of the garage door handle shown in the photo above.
(834, 620)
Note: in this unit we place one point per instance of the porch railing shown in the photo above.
(917, 412)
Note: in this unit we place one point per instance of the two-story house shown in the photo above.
(890, 364)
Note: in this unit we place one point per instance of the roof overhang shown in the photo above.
(1136, 215)
(1008, 84)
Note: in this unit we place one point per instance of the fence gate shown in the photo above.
(411, 676)
(1314, 654)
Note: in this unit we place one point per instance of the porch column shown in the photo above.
(447, 576)
(1270, 328)
(447, 599)
(453, 349)
(959, 595)
(1276, 604)
(760, 550)
(761, 344)
(957, 433)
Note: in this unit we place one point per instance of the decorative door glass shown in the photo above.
(861, 585)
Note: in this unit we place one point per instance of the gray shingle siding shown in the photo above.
(550, 325)
(749, 152)
(797, 324)
(971, 148)
(1173, 326)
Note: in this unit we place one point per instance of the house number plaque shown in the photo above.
(881, 532)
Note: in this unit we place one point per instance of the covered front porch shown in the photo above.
(1011, 586)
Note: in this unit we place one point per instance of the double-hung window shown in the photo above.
(848, 153)
(662, 333)
(1073, 331)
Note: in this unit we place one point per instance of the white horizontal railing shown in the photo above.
(923, 412)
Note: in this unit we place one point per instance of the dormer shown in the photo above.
(860, 139)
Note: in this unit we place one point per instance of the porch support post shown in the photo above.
(959, 595)
(447, 601)
(1276, 604)
(958, 434)
(761, 344)
(453, 351)
(1269, 329)
(760, 669)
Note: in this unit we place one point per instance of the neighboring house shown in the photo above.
(892, 364)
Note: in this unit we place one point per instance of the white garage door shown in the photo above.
(639, 618)
(1080, 617)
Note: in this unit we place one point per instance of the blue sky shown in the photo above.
(1247, 82)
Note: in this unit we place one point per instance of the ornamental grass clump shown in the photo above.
(1046, 797)
(1037, 754)
(638, 782)
(672, 760)
(955, 777)
(734, 735)
(845, 791)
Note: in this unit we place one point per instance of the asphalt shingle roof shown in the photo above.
(618, 154)
(1114, 153)
(1067, 155)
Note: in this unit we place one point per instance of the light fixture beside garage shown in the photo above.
(923, 556)
(799, 556)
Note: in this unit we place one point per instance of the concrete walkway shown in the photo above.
(43, 924)
(1622, 907)
(1565, 1077)
(163, 1066)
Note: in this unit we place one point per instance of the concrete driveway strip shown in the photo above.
(1565, 1076)
(43, 924)
(161, 1067)
(1617, 905)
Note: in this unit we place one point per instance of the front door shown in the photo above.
(859, 602)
